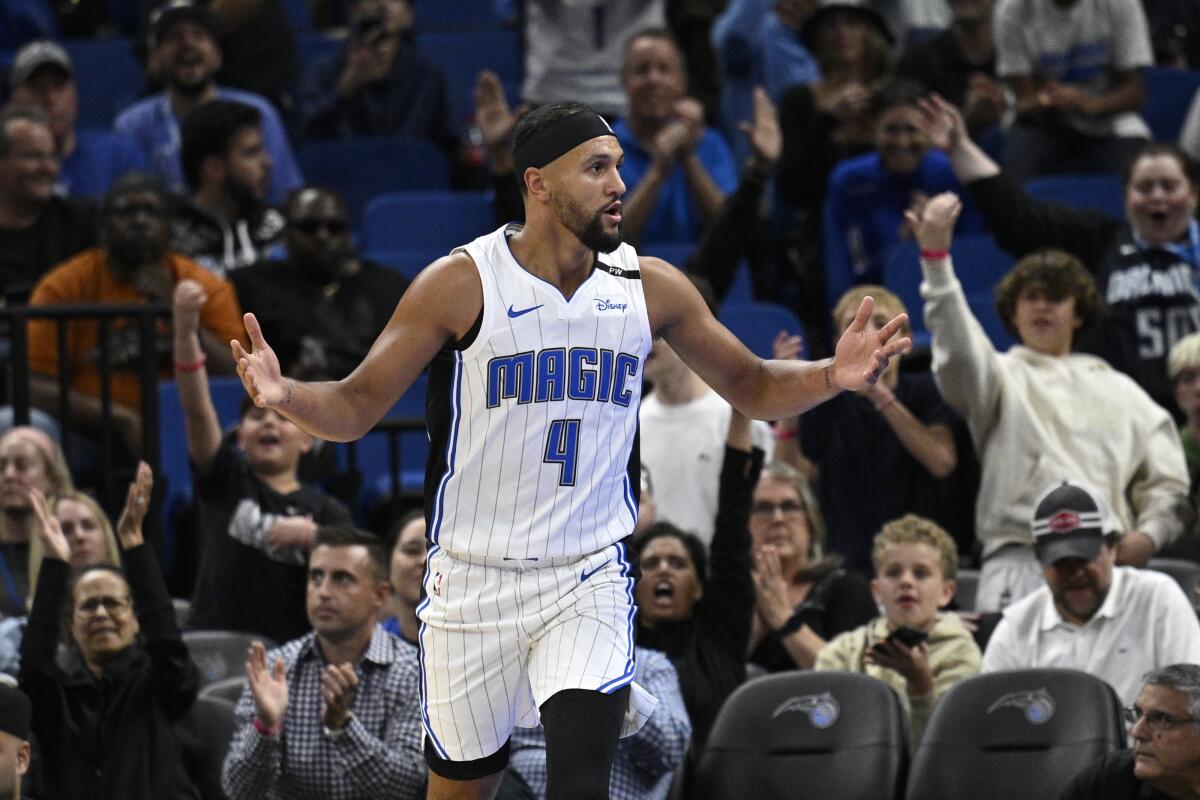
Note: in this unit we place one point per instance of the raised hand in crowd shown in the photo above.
(773, 608)
(763, 133)
(846, 102)
(268, 687)
(984, 103)
(934, 228)
(339, 684)
(186, 302)
(787, 346)
(492, 113)
(49, 531)
(137, 501)
(943, 124)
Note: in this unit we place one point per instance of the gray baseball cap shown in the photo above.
(34, 56)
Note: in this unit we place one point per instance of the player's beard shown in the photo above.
(588, 230)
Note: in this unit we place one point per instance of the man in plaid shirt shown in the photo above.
(335, 714)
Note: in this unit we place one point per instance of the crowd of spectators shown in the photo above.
(787, 151)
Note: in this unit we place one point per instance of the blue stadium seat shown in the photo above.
(674, 253)
(175, 471)
(757, 324)
(108, 77)
(983, 306)
(408, 261)
(457, 16)
(425, 220)
(1169, 94)
(359, 169)
(979, 264)
(1095, 192)
(298, 15)
(462, 55)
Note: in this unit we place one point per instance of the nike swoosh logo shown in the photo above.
(583, 576)
(514, 314)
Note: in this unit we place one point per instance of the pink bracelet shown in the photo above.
(934, 255)
(193, 366)
(266, 731)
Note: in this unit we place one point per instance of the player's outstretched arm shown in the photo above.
(758, 388)
(440, 305)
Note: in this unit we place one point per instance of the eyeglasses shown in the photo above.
(133, 209)
(92, 606)
(789, 508)
(1156, 721)
(309, 227)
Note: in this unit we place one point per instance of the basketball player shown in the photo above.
(537, 336)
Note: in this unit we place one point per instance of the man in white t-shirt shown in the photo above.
(1074, 67)
(684, 425)
(1116, 623)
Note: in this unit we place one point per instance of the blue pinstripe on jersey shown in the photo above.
(627, 573)
(451, 446)
(424, 689)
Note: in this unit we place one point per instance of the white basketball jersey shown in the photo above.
(533, 423)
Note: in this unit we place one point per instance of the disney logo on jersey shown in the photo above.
(606, 305)
(1037, 705)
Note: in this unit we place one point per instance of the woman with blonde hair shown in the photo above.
(29, 459)
(804, 597)
(89, 534)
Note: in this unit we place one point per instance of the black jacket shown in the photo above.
(709, 649)
(223, 246)
(111, 737)
(1149, 293)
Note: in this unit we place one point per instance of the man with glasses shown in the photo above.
(1164, 760)
(134, 265)
(322, 307)
(1116, 623)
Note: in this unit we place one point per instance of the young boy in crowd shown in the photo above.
(258, 522)
(914, 648)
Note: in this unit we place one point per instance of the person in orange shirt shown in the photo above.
(131, 265)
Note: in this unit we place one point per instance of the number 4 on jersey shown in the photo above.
(562, 448)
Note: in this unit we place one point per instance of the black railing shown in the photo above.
(146, 316)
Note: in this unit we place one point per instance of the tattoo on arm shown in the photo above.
(290, 385)
(828, 383)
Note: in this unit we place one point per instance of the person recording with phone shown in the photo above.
(914, 648)
(379, 83)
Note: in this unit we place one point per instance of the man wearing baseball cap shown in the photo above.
(1116, 623)
(186, 56)
(91, 160)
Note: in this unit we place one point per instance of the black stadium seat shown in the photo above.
(810, 735)
(1021, 734)
(204, 737)
(220, 654)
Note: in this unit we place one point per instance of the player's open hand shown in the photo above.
(862, 355)
(259, 369)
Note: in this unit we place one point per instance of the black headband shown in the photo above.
(557, 138)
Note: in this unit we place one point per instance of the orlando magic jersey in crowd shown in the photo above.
(533, 422)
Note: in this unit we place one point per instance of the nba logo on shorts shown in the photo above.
(437, 584)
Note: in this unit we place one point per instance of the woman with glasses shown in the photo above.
(804, 598)
(105, 726)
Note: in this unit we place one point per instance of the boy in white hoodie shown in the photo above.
(1041, 413)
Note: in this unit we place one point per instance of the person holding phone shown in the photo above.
(914, 648)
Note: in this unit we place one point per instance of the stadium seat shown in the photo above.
(1186, 573)
(1023, 734)
(979, 264)
(229, 689)
(175, 471)
(205, 734)
(675, 253)
(983, 306)
(108, 78)
(298, 14)
(462, 55)
(182, 609)
(315, 46)
(815, 735)
(360, 169)
(461, 15)
(408, 261)
(758, 323)
(426, 220)
(1169, 94)
(220, 654)
(968, 584)
(1094, 192)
